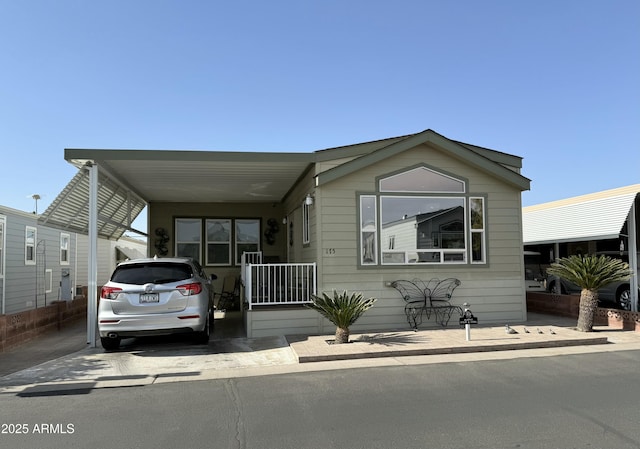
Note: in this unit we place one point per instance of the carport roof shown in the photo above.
(130, 179)
(596, 216)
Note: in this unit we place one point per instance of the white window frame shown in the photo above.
(436, 255)
(414, 186)
(30, 242)
(180, 242)
(65, 246)
(227, 242)
(237, 242)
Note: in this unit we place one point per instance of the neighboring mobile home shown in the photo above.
(37, 263)
(350, 218)
(110, 253)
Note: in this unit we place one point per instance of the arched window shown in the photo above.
(421, 216)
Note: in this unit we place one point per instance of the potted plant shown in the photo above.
(342, 309)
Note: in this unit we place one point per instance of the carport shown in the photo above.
(606, 215)
(112, 187)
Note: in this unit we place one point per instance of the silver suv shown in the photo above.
(158, 296)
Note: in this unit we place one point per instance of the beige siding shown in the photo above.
(495, 291)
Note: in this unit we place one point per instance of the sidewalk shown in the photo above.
(152, 361)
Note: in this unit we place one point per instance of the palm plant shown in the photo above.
(342, 309)
(589, 273)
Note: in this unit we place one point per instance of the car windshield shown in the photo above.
(153, 272)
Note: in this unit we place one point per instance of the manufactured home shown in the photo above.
(290, 225)
(37, 263)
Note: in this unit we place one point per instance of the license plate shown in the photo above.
(149, 297)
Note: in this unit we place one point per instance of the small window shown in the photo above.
(218, 242)
(64, 249)
(369, 230)
(31, 235)
(306, 226)
(247, 237)
(478, 244)
(48, 280)
(188, 238)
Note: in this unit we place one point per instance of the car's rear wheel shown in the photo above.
(110, 344)
(623, 297)
(556, 289)
(202, 337)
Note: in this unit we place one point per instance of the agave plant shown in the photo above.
(589, 273)
(342, 309)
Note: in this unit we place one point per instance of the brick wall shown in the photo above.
(569, 306)
(21, 327)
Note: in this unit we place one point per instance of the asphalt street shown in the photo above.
(569, 401)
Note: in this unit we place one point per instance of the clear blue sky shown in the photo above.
(556, 82)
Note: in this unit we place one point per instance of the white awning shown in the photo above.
(597, 216)
(117, 207)
(130, 253)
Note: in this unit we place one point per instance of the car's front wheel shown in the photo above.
(110, 344)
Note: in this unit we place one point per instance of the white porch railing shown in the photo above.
(247, 258)
(281, 283)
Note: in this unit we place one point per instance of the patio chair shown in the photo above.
(229, 296)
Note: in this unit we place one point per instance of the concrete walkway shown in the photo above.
(151, 361)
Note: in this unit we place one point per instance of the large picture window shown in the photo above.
(422, 229)
(422, 216)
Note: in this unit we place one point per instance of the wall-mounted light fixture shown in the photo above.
(308, 200)
(621, 247)
(284, 220)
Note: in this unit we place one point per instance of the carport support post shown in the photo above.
(92, 289)
(633, 256)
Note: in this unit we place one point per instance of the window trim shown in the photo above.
(447, 256)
